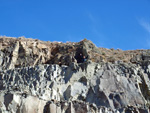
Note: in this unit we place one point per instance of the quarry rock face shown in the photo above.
(56, 77)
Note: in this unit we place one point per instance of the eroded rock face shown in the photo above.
(22, 52)
(101, 84)
(38, 77)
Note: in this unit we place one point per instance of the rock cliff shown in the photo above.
(56, 77)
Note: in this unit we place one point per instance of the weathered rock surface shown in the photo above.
(47, 77)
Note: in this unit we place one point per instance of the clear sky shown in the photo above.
(123, 24)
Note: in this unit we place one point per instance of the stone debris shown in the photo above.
(50, 77)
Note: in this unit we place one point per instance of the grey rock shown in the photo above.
(38, 77)
(103, 88)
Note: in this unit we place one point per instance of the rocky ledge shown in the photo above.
(56, 77)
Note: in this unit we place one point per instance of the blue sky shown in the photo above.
(123, 24)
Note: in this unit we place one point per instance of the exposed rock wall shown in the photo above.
(47, 77)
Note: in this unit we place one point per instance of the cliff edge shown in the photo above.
(55, 77)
